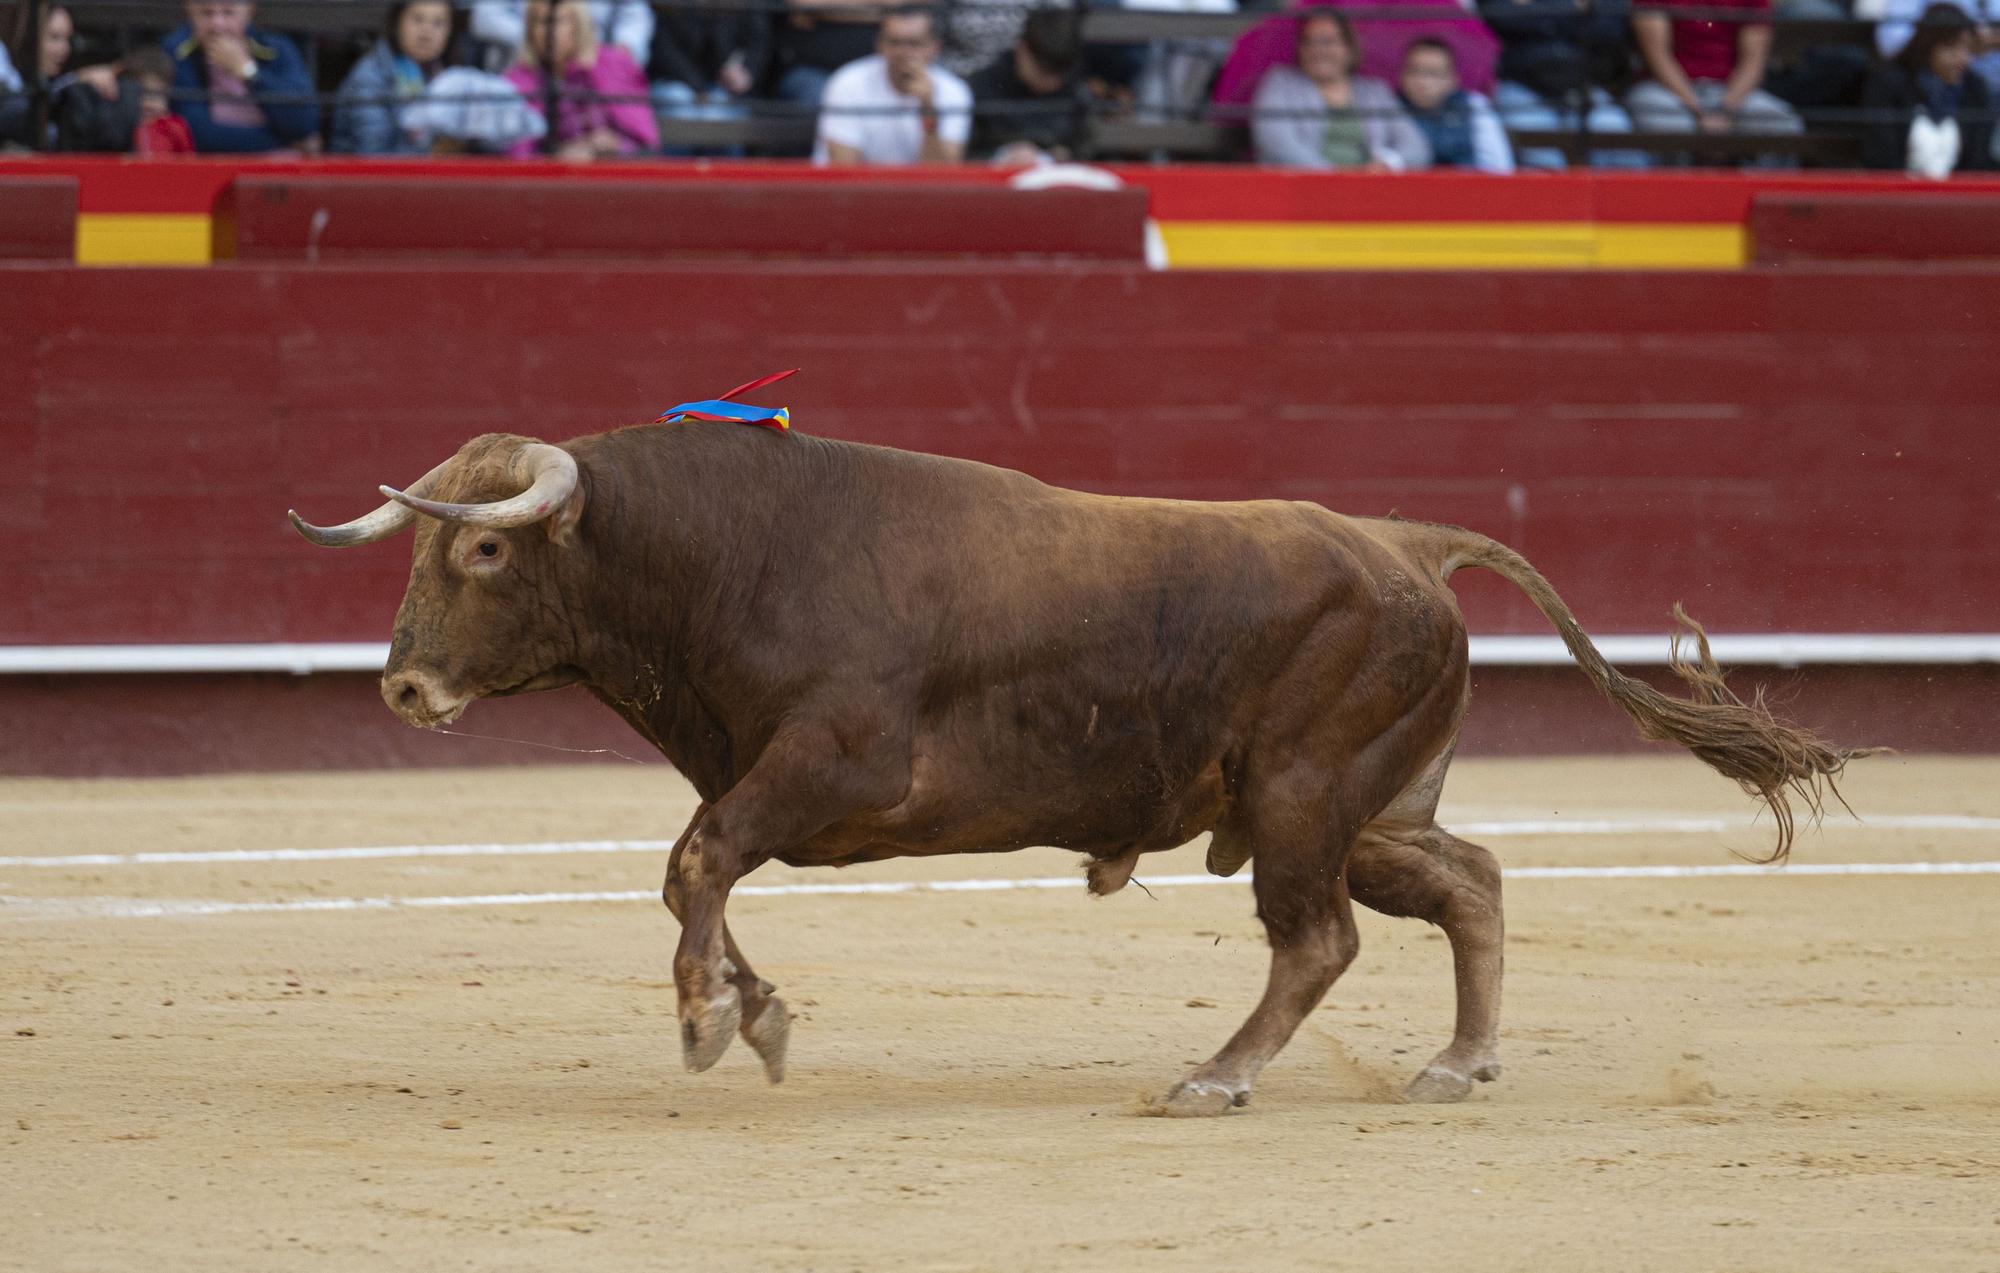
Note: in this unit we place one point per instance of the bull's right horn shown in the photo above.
(551, 476)
(380, 524)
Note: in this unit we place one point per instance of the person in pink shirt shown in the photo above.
(1705, 71)
(603, 111)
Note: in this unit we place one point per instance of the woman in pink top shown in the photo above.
(602, 110)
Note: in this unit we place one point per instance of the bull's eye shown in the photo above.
(487, 548)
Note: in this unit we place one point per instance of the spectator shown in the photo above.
(602, 110)
(101, 108)
(1319, 114)
(1459, 124)
(52, 55)
(1381, 41)
(1929, 113)
(1030, 103)
(706, 63)
(1555, 61)
(390, 76)
(625, 23)
(815, 39)
(898, 106)
(159, 131)
(1898, 25)
(240, 89)
(976, 33)
(1704, 74)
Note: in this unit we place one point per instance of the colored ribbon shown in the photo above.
(720, 408)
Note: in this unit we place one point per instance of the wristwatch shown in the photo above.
(249, 70)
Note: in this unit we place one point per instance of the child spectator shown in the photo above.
(159, 131)
(240, 89)
(897, 107)
(1030, 103)
(1705, 74)
(1381, 40)
(389, 76)
(1319, 114)
(1460, 125)
(1929, 113)
(1898, 25)
(706, 63)
(602, 109)
(1555, 61)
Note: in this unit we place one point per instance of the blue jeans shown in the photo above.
(803, 85)
(1524, 108)
(675, 100)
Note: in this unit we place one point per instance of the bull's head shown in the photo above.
(485, 611)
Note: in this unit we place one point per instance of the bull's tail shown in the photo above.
(1768, 758)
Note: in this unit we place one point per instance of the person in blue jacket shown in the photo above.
(240, 89)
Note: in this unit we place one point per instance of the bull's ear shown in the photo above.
(562, 524)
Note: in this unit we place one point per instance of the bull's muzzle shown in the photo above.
(417, 697)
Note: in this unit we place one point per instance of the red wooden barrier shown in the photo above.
(37, 218)
(1788, 229)
(429, 219)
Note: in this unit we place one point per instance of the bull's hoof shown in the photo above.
(1442, 1085)
(769, 1032)
(707, 1028)
(1197, 1098)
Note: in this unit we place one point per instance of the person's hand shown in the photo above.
(603, 142)
(1714, 122)
(102, 78)
(734, 77)
(579, 151)
(230, 53)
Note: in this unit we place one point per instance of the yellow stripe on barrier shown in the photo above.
(1447, 245)
(127, 238)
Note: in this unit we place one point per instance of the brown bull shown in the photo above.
(856, 653)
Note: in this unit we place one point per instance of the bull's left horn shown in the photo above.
(551, 475)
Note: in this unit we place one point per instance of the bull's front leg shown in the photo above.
(765, 1021)
(800, 786)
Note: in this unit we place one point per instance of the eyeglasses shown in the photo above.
(906, 41)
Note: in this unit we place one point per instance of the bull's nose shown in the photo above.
(415, 697)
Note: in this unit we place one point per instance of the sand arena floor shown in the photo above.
(1708, 1072)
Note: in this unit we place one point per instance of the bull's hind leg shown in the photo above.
(766, 1024)
(1430, 874)
(1303, 903)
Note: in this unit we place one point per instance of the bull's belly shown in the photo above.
(1106, 813)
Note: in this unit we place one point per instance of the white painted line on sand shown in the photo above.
(136, 908)
(543, 848)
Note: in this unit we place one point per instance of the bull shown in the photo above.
(856, 653)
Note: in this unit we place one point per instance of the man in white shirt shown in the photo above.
(896, 107)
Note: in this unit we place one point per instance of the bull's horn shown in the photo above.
(551, 477)
(380, 524)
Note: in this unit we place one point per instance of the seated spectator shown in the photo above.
(1319, 114)
(240, 89)
(52, 55)
(625, 23)
(602, 110)
(103, 108)
(1030, 103)
(898, 106)
(1898, 25)
(974, 34)
(390, 76)
(1555, 61)
(816, 38)
(706, 63)
(1381, 41)
(1459, 124)
(1928, 113)
(1704, 75)
(159, 132)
